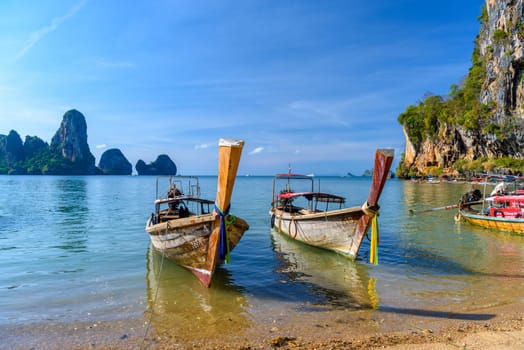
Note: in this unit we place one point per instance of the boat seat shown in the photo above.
(168, 217)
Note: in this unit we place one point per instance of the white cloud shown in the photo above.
(202, 146)
(101, 146)
(257, 150)
(37, 35)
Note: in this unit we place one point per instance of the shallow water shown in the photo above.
(74, 250)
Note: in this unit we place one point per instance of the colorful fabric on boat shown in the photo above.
(223, 242)
(373, 249)
(373, 253)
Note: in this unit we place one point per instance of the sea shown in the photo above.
(74, 251)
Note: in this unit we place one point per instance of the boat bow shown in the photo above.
(383, 160)
(228, 160)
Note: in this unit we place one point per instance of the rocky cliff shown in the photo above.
(482, 118)
(70, 141)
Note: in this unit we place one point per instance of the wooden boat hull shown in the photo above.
(186, 241)
(499, 223)
(334, 230)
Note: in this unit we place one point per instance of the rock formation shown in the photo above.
(69, 154)
(113, 162)
(70, 141)
(14, 148)
(163, 165)
(12, 154)
(33, 145)
(494, 126)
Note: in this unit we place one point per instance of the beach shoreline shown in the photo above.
(487, 328)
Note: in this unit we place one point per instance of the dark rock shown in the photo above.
(142, 168)
(14, 148)
(113, 162)
(163, 165)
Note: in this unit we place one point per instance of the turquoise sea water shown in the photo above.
(74, 249)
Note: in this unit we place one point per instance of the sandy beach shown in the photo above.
(498, 327)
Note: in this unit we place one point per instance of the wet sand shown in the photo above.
(500, 327)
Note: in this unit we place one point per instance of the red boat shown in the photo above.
(506, 206)
(505, 212)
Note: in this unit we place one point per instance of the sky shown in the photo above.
(315, 85)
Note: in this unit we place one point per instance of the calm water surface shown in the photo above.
(74, 249)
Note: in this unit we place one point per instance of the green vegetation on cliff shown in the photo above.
(44, 162)
(462, 107)
(459, 125)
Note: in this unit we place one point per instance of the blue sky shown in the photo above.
(315, 84)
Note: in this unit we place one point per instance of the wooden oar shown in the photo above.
(446, 207)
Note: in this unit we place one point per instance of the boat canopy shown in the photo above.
(293, 176)
(318, 196)
(516, 198)
(183, 198)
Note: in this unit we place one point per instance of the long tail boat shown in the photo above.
(504, 212)
(196, 233)
(337, 228)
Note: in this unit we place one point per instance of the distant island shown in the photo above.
(69, 154)
(369, 173)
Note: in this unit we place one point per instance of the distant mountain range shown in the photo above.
(69, 154)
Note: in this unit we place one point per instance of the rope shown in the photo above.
(289, 228)
(156, 294)
(373, 249)
(223, 242)
(369, 211)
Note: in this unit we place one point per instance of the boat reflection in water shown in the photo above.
(186, 310)
(334, 280)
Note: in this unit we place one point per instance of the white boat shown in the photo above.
(324, 221)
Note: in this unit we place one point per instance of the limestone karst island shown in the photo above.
(69, 154)
(479, 126)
